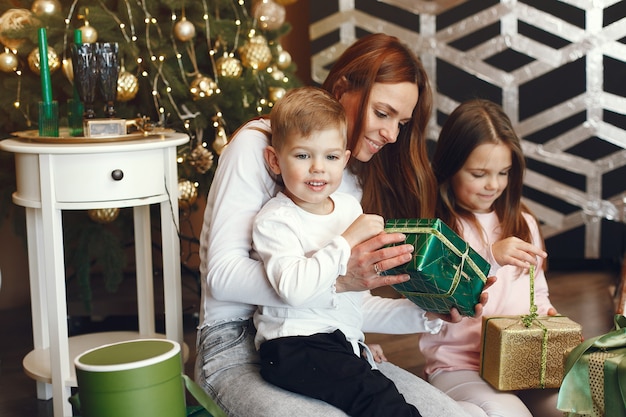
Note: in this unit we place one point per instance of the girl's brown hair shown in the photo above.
(471, 124)
(398, 181)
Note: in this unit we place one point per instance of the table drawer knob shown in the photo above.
(117, 174)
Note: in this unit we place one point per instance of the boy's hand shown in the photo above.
(377, 352)
(366, 226)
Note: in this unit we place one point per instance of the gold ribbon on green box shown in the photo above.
(445, 271)
(580, 392)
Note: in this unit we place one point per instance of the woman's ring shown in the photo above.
(377, 269)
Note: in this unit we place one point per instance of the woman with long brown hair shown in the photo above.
(385, 92)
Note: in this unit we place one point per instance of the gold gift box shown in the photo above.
(515, 357)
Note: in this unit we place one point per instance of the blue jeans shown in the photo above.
(227, 367)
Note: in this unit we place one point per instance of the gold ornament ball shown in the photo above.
(283, 60)
(221, 140)
(14, 20)
(201, 159)
(34, 60)
(276, 73)
(104, 216)
(229, 67)
(276, 93)
(184, 30)
(88, 33)
(127, 86)
(68, 69)
(256, 53)
(269, 14)
(187, 194)
(46, 7)
(285, 2)
(8, 62)
(202, 86)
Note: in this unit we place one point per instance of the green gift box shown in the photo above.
(445, 271)
(594, 384)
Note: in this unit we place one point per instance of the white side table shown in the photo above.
(76, 176)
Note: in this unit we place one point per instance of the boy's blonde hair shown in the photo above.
(303, 111)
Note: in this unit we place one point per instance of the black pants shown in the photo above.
(324, 366)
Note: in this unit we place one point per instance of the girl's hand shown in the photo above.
(377, 353)
(484, 297)
(369, 258)
(454, 316)
(514, 251)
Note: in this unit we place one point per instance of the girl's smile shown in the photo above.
(483, 177)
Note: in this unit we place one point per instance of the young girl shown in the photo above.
(479, 166)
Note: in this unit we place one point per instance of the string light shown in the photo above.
(150, 65)
(117, 20)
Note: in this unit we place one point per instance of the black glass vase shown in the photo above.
(108, 72)
(85, 67)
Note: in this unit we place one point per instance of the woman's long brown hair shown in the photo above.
(398, 182)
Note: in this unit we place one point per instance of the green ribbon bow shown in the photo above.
(531, 318)
(575, 393)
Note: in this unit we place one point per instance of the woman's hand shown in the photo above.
(369, 259)
(514, 251)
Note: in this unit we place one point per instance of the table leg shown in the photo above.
(145, 283)
(171, 254)
(37, 278)
(53, 272)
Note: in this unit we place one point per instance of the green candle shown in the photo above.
(78, 39)
(75, 106)
(46, 87)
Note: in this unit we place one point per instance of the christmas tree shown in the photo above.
(200, 67)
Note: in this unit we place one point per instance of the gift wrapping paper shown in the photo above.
(599, 376)
(594, 384)
(605, 391)
(516, 357)
(445, 271)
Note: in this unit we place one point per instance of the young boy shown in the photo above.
(304, 237)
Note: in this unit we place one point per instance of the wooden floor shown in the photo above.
(586, 297)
